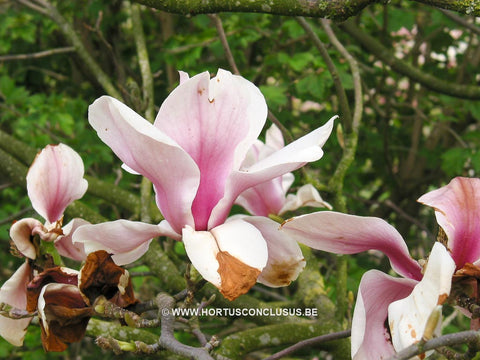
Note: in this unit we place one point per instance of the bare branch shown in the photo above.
(309, 342)
(338, 10)
(37, 55)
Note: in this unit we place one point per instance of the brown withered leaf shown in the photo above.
(52, 275)
(469, 270)
(101, 276)
(236, 277)
(66, 315)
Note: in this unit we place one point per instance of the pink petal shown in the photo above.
(263, 199)
(285, 259)
(127, 240)
(20, 233)
(55, 180)
(349, 234)
(215, 121)
(64, 244)
(291, 157)
(457, 208)
(13, 292)
(370, 339)
(148, 151)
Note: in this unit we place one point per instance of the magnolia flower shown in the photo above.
(405, 302)
(457, 209)
(270, 198)
(54, 180)
(193, 155)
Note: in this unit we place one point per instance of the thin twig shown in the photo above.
(312, 341)
(37, 55)
(342, 97)
(464, 337)
(223, 39)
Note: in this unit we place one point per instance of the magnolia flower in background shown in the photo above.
(193, 154)
(54, 180)
(405, 302)
(270, 198)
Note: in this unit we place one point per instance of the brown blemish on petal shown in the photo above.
(282, 273)
(236, 277)
(441, 299)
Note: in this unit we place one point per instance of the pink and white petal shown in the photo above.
(215, 121)
(370, 338)
(183, 76)
(126, 240)
(148, 151)
(293, 156)
(407, 317)
(263, 199)
(274, 138)
(287, 181)
(285, 259)
(13, 293)
(64, 244)
(55, 180)
(349, 234)
(457, 208)
(20, 233)
(306, 195)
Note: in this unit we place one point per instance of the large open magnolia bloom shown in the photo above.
(193, 155)
(54, 180)
(405, 302)
(270, 198)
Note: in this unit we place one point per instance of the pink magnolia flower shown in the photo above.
(270, 198)
(54, 180)
(193, 154)
(457, 209)
(406, 302)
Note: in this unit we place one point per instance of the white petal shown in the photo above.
(243, 241)
(13, 292)
(307, 195)
(407, 317)
(202, 250)
(238, 238)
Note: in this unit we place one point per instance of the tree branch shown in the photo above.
(464, 337)
(37, 55)
(69, 32)
(338, 10)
